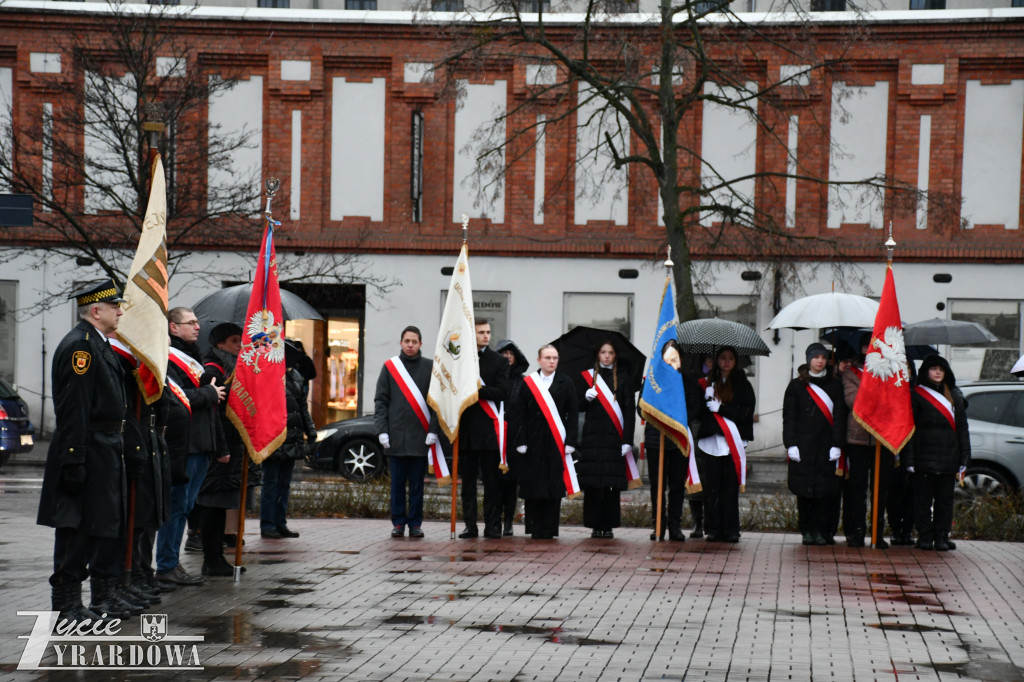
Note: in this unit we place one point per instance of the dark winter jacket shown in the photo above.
(740, 409)
(599, 461)
(205, 434)
(539, 469)
(175, 434)
(515, 384)
(392, 413)
(300, 422)
(89, 406)
(807, 427)
(476, 429)
(936, 447)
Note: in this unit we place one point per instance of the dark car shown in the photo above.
(16, 431)
(349, 447)
(995, 412)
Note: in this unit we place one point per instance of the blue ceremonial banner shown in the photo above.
(663, 398)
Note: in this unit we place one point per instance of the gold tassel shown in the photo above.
(634, 484)
(444, 482)
(576, 496)
(503, 468)
(694, 487)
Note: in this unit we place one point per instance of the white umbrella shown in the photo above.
(1018, 369)
(826, 311)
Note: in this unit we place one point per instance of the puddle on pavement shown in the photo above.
(332, 570)
(268, 551)
(978, 669)
(291, 669)
(343, 551)
(438, 558)
(604, 550)
(274, 603)
(909, 627)
(793, 613)
(408, 570)
(885, 578)
(417, 620)
(555, 635)
(285, 591)
(657, 569)
(267, 562)
(237, 629)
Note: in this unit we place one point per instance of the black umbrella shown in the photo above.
(709, 335)
(950, 332)
(231, 303)
(577, 351)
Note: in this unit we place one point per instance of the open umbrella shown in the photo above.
(1018, 369)
(577, 350)
(231, 303)
(951, 332)
(708, 335)
(824, 311)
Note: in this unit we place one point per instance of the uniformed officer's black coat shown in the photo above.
(539, 469)
(89, 405)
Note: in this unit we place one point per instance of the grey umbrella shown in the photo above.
(708, 335)
(231, 303)
(940, 331)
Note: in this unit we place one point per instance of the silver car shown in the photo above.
(995, 412)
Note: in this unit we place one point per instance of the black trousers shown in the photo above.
(212, 532)
(482, 464)
(142, 553)
(601, 510)
(507, 488)
(813, 517)
(721, 496)
(899, 503)
(72, 551)
(544, 516)
(858, 491)
(933, 502)
(674, 483)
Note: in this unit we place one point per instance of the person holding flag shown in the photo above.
(402, 419)
(607, 438)
(813, 433)
(939, 450)
(547, 413)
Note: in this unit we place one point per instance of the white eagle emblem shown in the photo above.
(890, 358)
(265, 341)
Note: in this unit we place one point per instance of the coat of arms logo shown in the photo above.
(154, 626)
(452, 343)
(266, 342)
(888, 357)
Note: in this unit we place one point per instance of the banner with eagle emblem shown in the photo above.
(256, 399)
(883, 401)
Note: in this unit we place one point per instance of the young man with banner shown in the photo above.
(402, 419)
(547, 413)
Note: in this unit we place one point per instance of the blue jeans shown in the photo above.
(277, 481)
(183, 498)
(407, 470)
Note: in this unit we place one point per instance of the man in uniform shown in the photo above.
(402, 419)
(478, 439)
(83, 495)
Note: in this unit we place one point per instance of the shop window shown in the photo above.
(828, 5)
(990, 361)
(279, 4)
(361, 4)
(927, 4)
(491, 306)
(613, 312)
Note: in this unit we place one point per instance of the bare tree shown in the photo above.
(638, 85)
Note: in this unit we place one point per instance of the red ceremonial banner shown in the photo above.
(883, 401)
(256, 399)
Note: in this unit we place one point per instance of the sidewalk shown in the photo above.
(345, 601)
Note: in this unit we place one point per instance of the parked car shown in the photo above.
(995, 412)
(16, 431)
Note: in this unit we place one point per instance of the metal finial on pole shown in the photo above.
(154, 123)
(465, 228)
(668, 259)
(890, 244)
(272, 184)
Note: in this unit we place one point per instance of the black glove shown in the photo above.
(72, 478)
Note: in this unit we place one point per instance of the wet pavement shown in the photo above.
(345, 601)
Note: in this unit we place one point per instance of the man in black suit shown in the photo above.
(478, 440)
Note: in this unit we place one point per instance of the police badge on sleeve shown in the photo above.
(80, 361)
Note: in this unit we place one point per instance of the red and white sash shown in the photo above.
(497, 415)
(611, 406)
(178, 393)
(554, 420)
(737, 450)
(187, 364)
(939, 402)
(123, 350)
(827, 407)
(414, 396)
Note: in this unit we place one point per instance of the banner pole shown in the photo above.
(661, 483)
(240, 533)
(875, 516)
(455, 481)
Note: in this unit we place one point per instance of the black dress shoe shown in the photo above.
(855, 542)
(942, 545)
(398, 531)
(600, 534)
(881, 544)
(492, 536)
(287, 532)
(927, 545)
(711, 537)
(415, 532)
(508, 531)
(271, 533)
(676, 535)
(468, 534)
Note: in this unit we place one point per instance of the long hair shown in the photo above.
(723, 385)
(615, 366)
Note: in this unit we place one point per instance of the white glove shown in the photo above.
(431, 439)
(521, 449)
(793, 453)
(590, 394)
(709, 392)
(384, 439)
(963, 470)
(714, 404)
(569, 449)
(910, 470)
(626, 449)
(834, 454)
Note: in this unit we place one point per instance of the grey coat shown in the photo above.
(392, 413)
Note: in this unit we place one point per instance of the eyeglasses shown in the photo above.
(191, 323)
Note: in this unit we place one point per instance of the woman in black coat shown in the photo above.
(938, 451)
(728, 396)
(507, 484)
(813, 433)
(607, 437)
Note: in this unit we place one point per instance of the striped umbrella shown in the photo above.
(709, 335)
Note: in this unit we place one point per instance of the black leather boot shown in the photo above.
(106, 600)
(675, 533)
(67, 600)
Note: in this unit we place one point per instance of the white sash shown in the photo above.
(410, 390)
